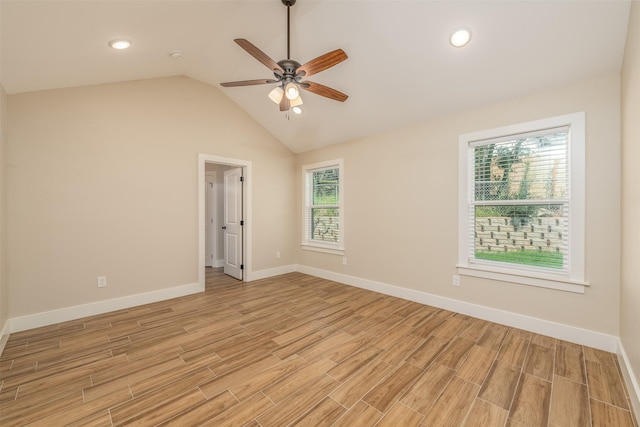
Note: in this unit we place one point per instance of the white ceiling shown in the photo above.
(401, 67)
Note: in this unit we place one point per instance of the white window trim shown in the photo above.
(574, 281)
(312, 245)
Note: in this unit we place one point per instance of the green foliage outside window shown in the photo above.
(520, 173)
(325, 222)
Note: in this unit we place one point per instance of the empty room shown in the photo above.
(320, 213)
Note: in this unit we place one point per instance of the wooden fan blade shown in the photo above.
(284, 103)
(249, 82)
(259, 55)
(325, 91)
(322, 62)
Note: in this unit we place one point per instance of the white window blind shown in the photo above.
(519, 200)
(323, 212)
(323, 204)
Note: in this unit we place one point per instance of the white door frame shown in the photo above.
(246, 207)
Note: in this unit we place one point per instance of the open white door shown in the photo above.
(233, 223)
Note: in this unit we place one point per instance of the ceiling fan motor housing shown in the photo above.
(289, 66)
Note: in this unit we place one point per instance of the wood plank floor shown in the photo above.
(298, 350)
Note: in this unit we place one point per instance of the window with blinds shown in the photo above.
(521, 203)
(323, 211)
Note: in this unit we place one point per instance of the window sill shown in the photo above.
(530, 279)
(333, 250)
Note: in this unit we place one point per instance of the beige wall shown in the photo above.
(4, 287)
(630, 289)
(398, 182)
(103, 181)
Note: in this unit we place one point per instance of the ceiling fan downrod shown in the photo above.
(288, 3)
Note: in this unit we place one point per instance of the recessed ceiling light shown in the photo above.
(460, 37)
(120, 44)
(297, 110)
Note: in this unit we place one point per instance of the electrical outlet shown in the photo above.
(102, 281)
(456, 280)
(278, 254)
(344, 260)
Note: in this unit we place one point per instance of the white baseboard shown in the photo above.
(52, 317)
(216, 264)
(532, 324)
(545, 327)
(630, 379)
(4, 334)
(270, 272)
(556, 330)
(37, 320)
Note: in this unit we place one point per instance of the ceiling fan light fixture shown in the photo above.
(120, 44)
(460, 37)
(291, 91)
(276, 94)
(288, 73)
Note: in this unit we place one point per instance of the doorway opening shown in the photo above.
(224, 217)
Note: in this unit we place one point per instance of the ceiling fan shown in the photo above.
(289, 73)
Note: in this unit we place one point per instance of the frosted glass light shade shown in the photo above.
(291, 90)
(276, 94)
(296, 102)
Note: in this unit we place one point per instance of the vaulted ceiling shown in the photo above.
(401, 67)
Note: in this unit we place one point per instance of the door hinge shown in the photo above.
(241, 266)
(242, 179)
(241, 222)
